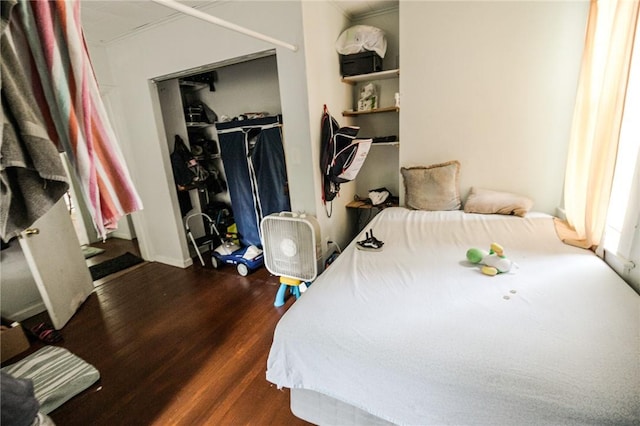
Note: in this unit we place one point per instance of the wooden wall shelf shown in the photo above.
(381, 75)
(362, 204)
(371, 111)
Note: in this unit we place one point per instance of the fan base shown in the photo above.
(287, 283)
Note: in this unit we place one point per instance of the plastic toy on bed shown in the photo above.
(493, 262)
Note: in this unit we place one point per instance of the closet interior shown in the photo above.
(223, 124)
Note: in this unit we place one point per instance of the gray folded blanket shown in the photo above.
(32, 176)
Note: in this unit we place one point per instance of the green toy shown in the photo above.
(493, 262)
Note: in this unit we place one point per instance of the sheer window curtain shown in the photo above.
(622, 232)
(597, 120)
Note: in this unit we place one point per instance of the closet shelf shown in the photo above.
(198, 125)
(210, 157)
(351, 113)
(395, 143)
(193, 85)
(381, 75)
(200, 186)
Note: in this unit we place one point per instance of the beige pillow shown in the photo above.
(487, 201)
(432, 187)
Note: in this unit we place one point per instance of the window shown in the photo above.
(624, 207)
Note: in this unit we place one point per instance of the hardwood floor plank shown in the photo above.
(177, 347)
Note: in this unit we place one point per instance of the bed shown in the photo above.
(416, 334)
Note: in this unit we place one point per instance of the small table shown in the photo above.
(365, 204)
(365, 211)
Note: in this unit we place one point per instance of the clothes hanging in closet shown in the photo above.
(254, 162)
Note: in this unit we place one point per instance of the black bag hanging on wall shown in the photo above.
(341, 156)
(329, 127)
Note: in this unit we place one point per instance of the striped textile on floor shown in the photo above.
(57, 375)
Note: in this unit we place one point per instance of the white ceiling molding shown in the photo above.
(355, 10)
(225, 24)
(108, 21)
(211, 67)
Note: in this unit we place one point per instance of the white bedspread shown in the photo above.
(415, 334)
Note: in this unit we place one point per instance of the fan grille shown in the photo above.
(290, 247)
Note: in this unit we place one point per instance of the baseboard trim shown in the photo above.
(28, 312)
(184, 263)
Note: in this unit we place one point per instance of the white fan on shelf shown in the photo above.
(292, 250)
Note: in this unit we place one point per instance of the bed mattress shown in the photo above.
(414, 334)
(321, 409)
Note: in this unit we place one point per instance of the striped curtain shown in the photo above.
(67, 92)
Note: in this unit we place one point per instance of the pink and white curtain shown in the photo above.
(50, 41)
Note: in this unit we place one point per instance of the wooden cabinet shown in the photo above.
(364, 211)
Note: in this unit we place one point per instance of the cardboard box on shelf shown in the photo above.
(12, 341)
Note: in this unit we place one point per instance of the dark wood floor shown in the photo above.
(176, 347)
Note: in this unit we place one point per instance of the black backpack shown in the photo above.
(342, 155)
(186, 170)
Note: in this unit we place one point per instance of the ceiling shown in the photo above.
(107, 20)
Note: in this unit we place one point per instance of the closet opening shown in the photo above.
(223, 127)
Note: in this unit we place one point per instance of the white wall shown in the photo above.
(323, 23)
(100, 63)
(18, 290)
(170, 48)
(491, 84)
(250, 86)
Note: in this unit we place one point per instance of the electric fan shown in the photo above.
(292, 250)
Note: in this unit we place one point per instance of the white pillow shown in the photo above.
(487, 201)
